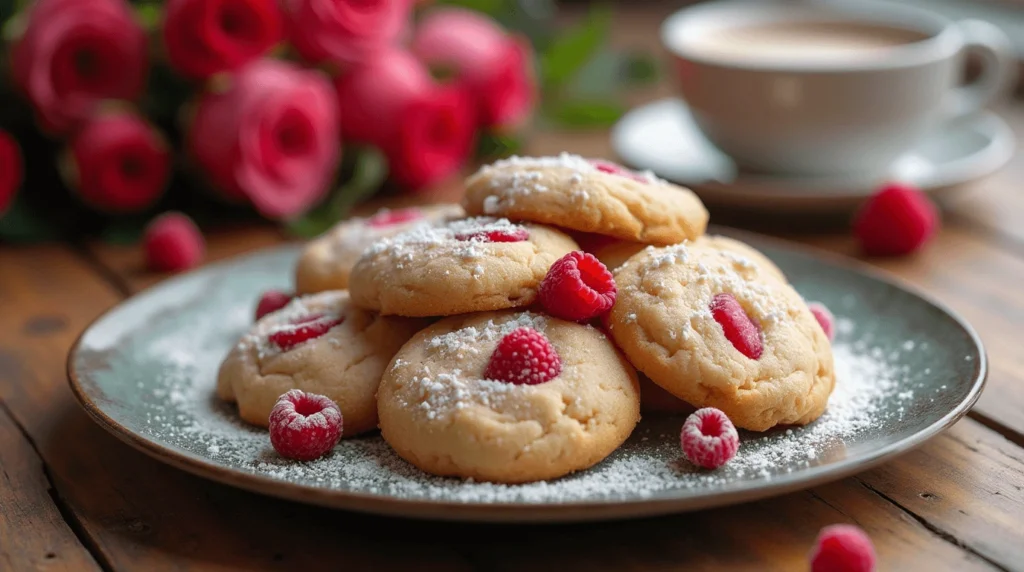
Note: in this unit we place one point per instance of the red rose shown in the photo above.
(74, 53)
(271, 139)
(204, 37)
(426, 130)
(120, 164)
(344, 31)
(496, 68)
(10, 170)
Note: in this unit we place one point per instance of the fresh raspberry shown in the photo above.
(304, 426)
(524, 357)
(825, 318)
(272, 301)
(897, 220)
(391, 218)
(709, 438)
(613, 169)
(577, 287)
(303, 330)
(843, 548)
(173, 243)
(739, 329)
(512, 235)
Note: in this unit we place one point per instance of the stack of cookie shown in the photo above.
(494, 344)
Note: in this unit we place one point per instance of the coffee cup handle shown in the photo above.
(998, 69)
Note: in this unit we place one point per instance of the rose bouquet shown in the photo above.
(114, 112)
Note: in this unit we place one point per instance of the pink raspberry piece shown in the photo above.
(397, 216)
(843, 548)
(512, 235)
(744, 334)
(272, 301)
(709, 438)
(897, 220)
(613, 169)
(524, 357)
(304, 426)
(577, 287)
(173, 243)
(303, 330)
(825, 318)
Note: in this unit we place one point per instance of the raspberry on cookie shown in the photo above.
(326, 261)
(470, 265)
(507, 397)
(718, 329)
(593, 196)
(319, 344)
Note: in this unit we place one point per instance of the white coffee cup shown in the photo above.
(819, 88)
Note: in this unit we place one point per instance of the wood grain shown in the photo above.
(33, 535)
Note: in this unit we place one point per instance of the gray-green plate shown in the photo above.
(907, 367)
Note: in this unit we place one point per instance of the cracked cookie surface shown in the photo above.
(574, 193)
(469, 265)
(326, 261)
(439, 413)
(345, 363)
(662, 320)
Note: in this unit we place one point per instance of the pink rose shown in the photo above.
(425, 129)
(120, 163)
(204, 37)
(74, 53)
(10, 170)
(344, 31)
(270, 139)
(496, 68)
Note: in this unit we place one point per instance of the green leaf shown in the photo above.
(22, 224)
(584, 112)
(574, 48)
(491, 145)
(641, 68)
(368, 175)
(493, 8)
(149, 15)
(612, 71)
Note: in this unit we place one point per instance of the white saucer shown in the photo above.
(662, 137)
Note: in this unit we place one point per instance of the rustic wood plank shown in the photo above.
(33, 534)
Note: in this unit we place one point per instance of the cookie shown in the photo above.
(614, 253)
(343, 358)
(716, 329)
(440, 412)
(468, 265)
(326, 261)
(589, 196)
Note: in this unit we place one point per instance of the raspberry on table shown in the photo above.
(272, 301)
(577, 287)
(304, 426)
(709, 438)
(172, 243)
(397, 216)
(897, 220)
(824, 317)
(843, 548)
(524, 357)
(512, 235)
(614, 169)
(303, 330)
(744, 334)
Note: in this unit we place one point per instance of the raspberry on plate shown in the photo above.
(172, 243)
(843, 548)
(897, 220)
(824, 317)
(304, 426)
(272, 301)
(303, 330)
(524, 357)
(577, 287)
(709, 438)
(739, 329)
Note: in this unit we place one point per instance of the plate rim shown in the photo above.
(513, 512)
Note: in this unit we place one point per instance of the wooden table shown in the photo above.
(73, 497)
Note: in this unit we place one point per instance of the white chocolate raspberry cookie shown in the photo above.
(469, 265)
(508, 397)
(320, 344)
(326, 261)
(589, 196)
(715, 329)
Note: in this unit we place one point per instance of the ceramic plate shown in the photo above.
(662, 137)
(906, 368)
